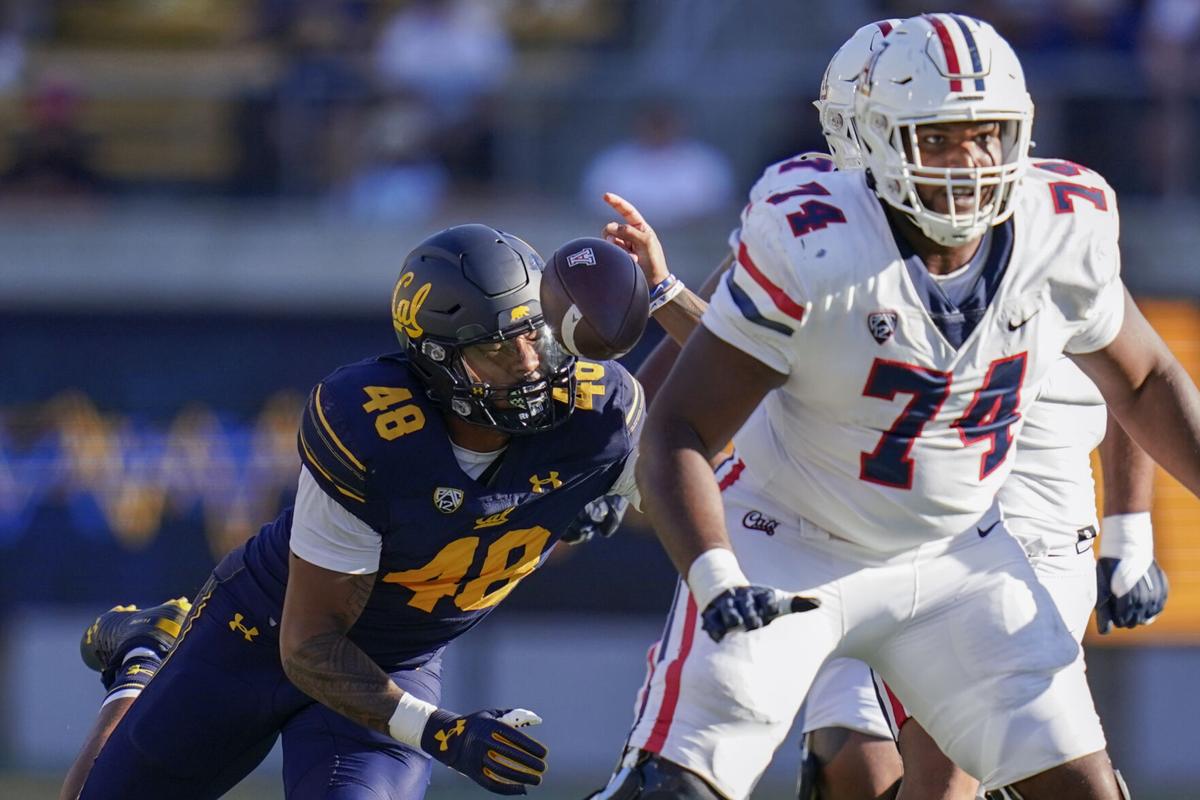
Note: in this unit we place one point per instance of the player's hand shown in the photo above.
(601, 517)
(487, 747)
(637, 237)
(1127, 600)
(750, 607)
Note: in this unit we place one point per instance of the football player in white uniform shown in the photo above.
(874, 408)
(1048, 501)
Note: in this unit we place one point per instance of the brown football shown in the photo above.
(594, 298)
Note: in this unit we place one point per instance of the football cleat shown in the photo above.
(122, 628)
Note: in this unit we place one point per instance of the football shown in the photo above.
(594, 298)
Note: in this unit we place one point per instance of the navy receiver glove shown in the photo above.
(750, 607)
(487, 747)
(1138, 606)
(600, 517)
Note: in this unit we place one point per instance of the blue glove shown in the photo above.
(749, 607)
(1138, 606)
(601, 517)
(487, 747)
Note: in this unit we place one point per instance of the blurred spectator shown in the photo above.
(671, 178)
(1170, 55)
(319, 98)
(53, 157)
(454, 55)
(399, 180)
(451, 52)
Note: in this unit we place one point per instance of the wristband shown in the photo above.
(1126, 535)
(1128, 538)
(665, 292)
(409, 719)
(715, 571)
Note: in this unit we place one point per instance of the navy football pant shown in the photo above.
(219, 702)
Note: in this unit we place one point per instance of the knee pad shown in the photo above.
(654, 778)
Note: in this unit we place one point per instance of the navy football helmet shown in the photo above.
(466, 310)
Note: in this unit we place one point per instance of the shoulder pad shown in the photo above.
(1069, 187)
(790, 171)
(608, 389)
(349, 416)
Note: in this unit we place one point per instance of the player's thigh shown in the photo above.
(1071, 581)
(721, 709)
(928, 773)
(844, 696)
(847, 734)
(983, 665)
(203, 722)
(852, 766)
(328, 756)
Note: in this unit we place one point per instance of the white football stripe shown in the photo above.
(570, 321)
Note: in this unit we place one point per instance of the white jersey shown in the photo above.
(783, 175)
(1049, 501)
(885, 433)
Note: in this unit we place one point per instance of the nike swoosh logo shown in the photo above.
(984, 532)
(1012, 326)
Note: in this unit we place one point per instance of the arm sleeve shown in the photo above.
(325, 534)
(759, 305)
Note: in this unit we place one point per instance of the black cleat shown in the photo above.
(119, 630)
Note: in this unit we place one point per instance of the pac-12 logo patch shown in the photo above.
(447, 500)
(584, 256)
(882, 325)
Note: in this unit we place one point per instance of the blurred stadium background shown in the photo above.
(203, 204)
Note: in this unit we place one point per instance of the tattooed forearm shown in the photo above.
(334, 671)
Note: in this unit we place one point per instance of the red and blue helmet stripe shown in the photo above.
(957, 61)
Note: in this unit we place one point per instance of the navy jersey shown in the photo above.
(452, 547)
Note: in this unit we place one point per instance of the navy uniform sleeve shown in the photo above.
(624, 408)
(332, 454)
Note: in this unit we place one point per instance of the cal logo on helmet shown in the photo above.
(520, 312)
(446, 499)
(405, 307)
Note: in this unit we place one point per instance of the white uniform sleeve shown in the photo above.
(759, 306)
(325, 534)
(1102, 317)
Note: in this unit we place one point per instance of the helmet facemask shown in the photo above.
(457, 372)
(897, 170)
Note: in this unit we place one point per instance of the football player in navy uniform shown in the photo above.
(433, 481)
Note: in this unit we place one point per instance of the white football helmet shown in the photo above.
(835, 106)
(943, 68)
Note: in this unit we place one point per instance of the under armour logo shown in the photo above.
(539, 484)
(235, 624)
(138, 669)
(443, 736)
